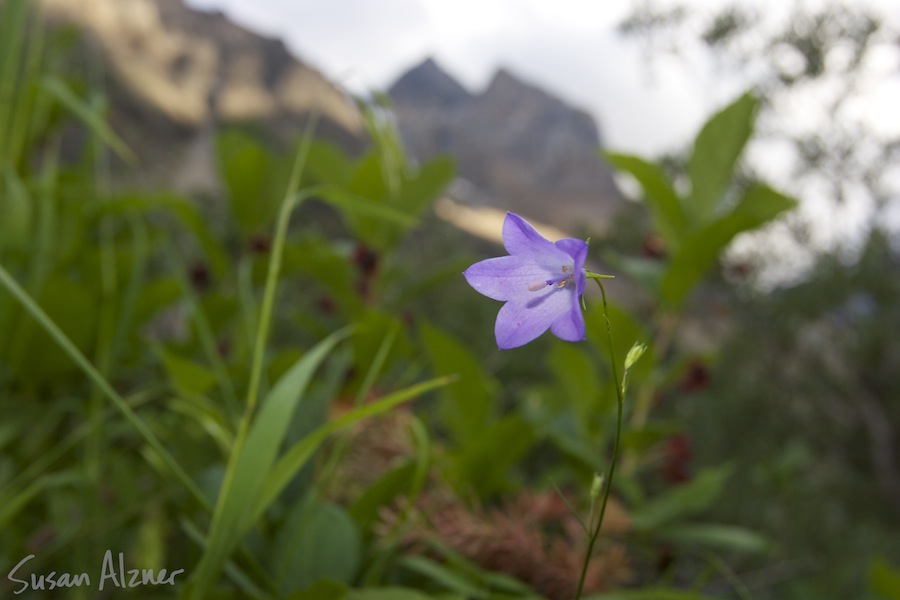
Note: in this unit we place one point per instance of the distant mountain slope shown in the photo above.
(522, 148)
(177, 74)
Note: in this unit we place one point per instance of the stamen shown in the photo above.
(559, 282)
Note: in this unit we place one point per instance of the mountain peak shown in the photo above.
(427, 84)
(521, 147)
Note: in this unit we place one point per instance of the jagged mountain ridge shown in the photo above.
(522, 148)
(178, 74)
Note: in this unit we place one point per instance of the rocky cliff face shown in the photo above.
(177, 74)
(521, 148)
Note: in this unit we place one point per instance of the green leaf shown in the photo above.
(650, 434)
(884, 579)
(577, 385)
(326, 163)
(15, 214)
(650, 594)
(318, 541)
(295, 458)
(323, 589)
(443, 576)
(389, 486)
(355, 207)
(14, 15)
(182, 209)
(386, 593)
(685, 500)
(716, 149)
(466, 407)
(659, 194)
(484, 462)
(33, 355)
(720, 537)
(247, 168)
(235, 510)
(187, 376)
(88, 115)
(758, 206)
(425, 185)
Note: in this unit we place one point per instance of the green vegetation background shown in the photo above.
(195, 383)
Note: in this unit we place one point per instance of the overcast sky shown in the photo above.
(568, 47)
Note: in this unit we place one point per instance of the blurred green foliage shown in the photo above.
(227, 389)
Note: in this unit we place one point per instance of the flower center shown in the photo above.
(560, 282)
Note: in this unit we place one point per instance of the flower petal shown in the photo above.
(570, 326)
(520, 322)
(578, 250)
(506, 277)
(521, 239)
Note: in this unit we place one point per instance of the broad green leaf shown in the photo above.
(388, 487)
(758, 206)
(356, 207)
(426, 184)
(652, 433)
(240, 495)
(318, 541)
(16, 214)
(646, 271)
(187, 376)
(33, 355)
(685, 500)
(577, 386)
(719, 537)
(326, 163)
(323, 589)
(484, 462)
(466, 407)
(314, 257)
(716, 149)
(659, 194)
(247, 168)
(884, 579)
(156, 295)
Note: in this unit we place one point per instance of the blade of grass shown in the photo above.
(13, 27)
(30, 306)
(251, 462)
(57, 88)
(223, 534)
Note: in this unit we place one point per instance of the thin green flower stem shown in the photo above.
(12, 286)
(620, 397)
